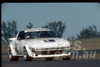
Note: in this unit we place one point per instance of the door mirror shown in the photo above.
(27, 37)
(11, 39)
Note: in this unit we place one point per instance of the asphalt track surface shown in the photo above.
(42, 63)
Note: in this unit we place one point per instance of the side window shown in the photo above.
(43, 34)
(21, 35)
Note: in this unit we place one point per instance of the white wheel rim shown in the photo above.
(25, 56)
(10, 56)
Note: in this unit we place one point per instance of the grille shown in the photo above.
(51, 52)
(59, 48)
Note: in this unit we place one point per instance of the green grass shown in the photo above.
(4, 47)
(89, 44)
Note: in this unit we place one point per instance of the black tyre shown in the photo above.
(49, 59)
(26, 57)
(13, 58)
(67, 58)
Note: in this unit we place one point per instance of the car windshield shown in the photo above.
(40, 34)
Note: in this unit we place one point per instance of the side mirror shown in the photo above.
(27, 37)
(11, 39)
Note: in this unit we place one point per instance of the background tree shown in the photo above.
(90, 32)
(30, 25)
(9, 29)
(4, 32)
(57, 27)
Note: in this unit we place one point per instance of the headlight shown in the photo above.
(66, 48)
(32, 49)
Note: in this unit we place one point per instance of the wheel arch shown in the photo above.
(26, 47)
(11, 48)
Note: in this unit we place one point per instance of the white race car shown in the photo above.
(38, 43)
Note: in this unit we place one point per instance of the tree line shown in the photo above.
(9, 29)
(86, 33)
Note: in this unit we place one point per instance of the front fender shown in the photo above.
(12, 50)
(28, 50)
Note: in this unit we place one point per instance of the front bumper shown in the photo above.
(55, 55)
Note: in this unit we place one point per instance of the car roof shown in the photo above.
(36, 29)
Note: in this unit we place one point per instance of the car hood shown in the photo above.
(47, 42)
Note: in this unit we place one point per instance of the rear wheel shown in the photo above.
(48, 59)
(26, 57)
(12, 58)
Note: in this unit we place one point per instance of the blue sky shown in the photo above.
(75, 15)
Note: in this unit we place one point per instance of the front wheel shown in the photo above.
(67, 58)
(26, 57)
(13, 58)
